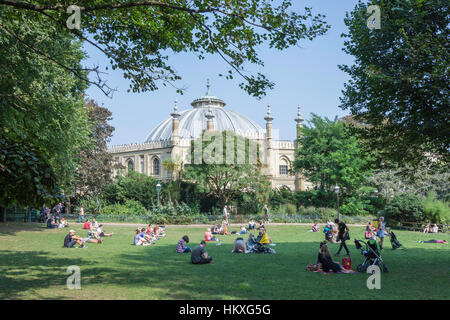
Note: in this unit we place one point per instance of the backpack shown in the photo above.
(347, 263)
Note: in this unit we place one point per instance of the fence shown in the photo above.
(15, 214)
(415, 226)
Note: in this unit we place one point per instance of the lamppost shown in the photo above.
(336, 190)
(158, 190)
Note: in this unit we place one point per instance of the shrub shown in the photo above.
(287, 208)
(355, 206)
(130, 207)
(315, 198)
(405, 207)
(436, 211)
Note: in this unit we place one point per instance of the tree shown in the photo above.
(43, 122)
(399, 86)
(223, 181)
(138, 36)
(95, 166)
(330, 155)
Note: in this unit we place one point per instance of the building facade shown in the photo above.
(171, 140)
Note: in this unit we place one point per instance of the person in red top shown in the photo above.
(209, 236)
(87, 224)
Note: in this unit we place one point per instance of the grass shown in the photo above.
(33, 265)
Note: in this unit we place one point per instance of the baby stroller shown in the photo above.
(394, 242)
(371, 253)
(255, 245)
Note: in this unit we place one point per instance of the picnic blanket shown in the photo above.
(331, 272)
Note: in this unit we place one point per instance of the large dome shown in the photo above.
(193, 121)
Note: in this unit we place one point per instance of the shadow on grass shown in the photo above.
(12, 228)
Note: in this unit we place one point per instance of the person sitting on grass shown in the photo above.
(158, 232)
(149, 238)
(71, 239)
(139, 239)
(149, 230)
(215, 229)
(427, 228)
(243, 230)
(326, 263)
(63, 223)
(51, 223)
(265, 239)
(224, 229)
(101, 233)
(315, 227)
(87, 224)
(94, 223)
(181, 245)
(435, 229)
(239, 246)
(209, 236)
(199, 254)
(93, 236)
(328, 231)
(261, 225)
(251, 224)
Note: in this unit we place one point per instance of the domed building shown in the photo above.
(171, 139)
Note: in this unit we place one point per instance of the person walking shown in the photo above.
(81, 215)
(266, 214)
(343, 235)
(225, 214)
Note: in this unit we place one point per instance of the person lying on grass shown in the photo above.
(326, 263)
(101, 233)
(139, 239)
(71, 239)
(181, 245)
(209, 236)
(199, 254)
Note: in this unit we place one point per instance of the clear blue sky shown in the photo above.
(306, 75)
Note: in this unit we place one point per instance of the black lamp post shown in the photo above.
(336, 190)
(158, 190)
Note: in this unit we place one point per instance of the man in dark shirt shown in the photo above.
(343, 235)
(71, 239)
(199, 254)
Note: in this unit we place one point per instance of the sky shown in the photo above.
(307, 76)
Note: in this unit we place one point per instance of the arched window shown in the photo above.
(284, 166)
(130, 165)
(156, 166)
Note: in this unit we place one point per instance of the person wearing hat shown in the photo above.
(71, 239)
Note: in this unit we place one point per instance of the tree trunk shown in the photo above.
(2, 214)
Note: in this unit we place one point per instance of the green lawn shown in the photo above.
(33, 266)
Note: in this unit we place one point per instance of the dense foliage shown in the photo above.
(399, 86)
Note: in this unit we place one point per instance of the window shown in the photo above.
(142, 164)
(130, 165)
(283, 167)
(156, 167)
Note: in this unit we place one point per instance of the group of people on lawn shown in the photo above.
(95, 234)
(148, 236)
(199, 254)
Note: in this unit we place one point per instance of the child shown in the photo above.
(243, 231)
(139, 239)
